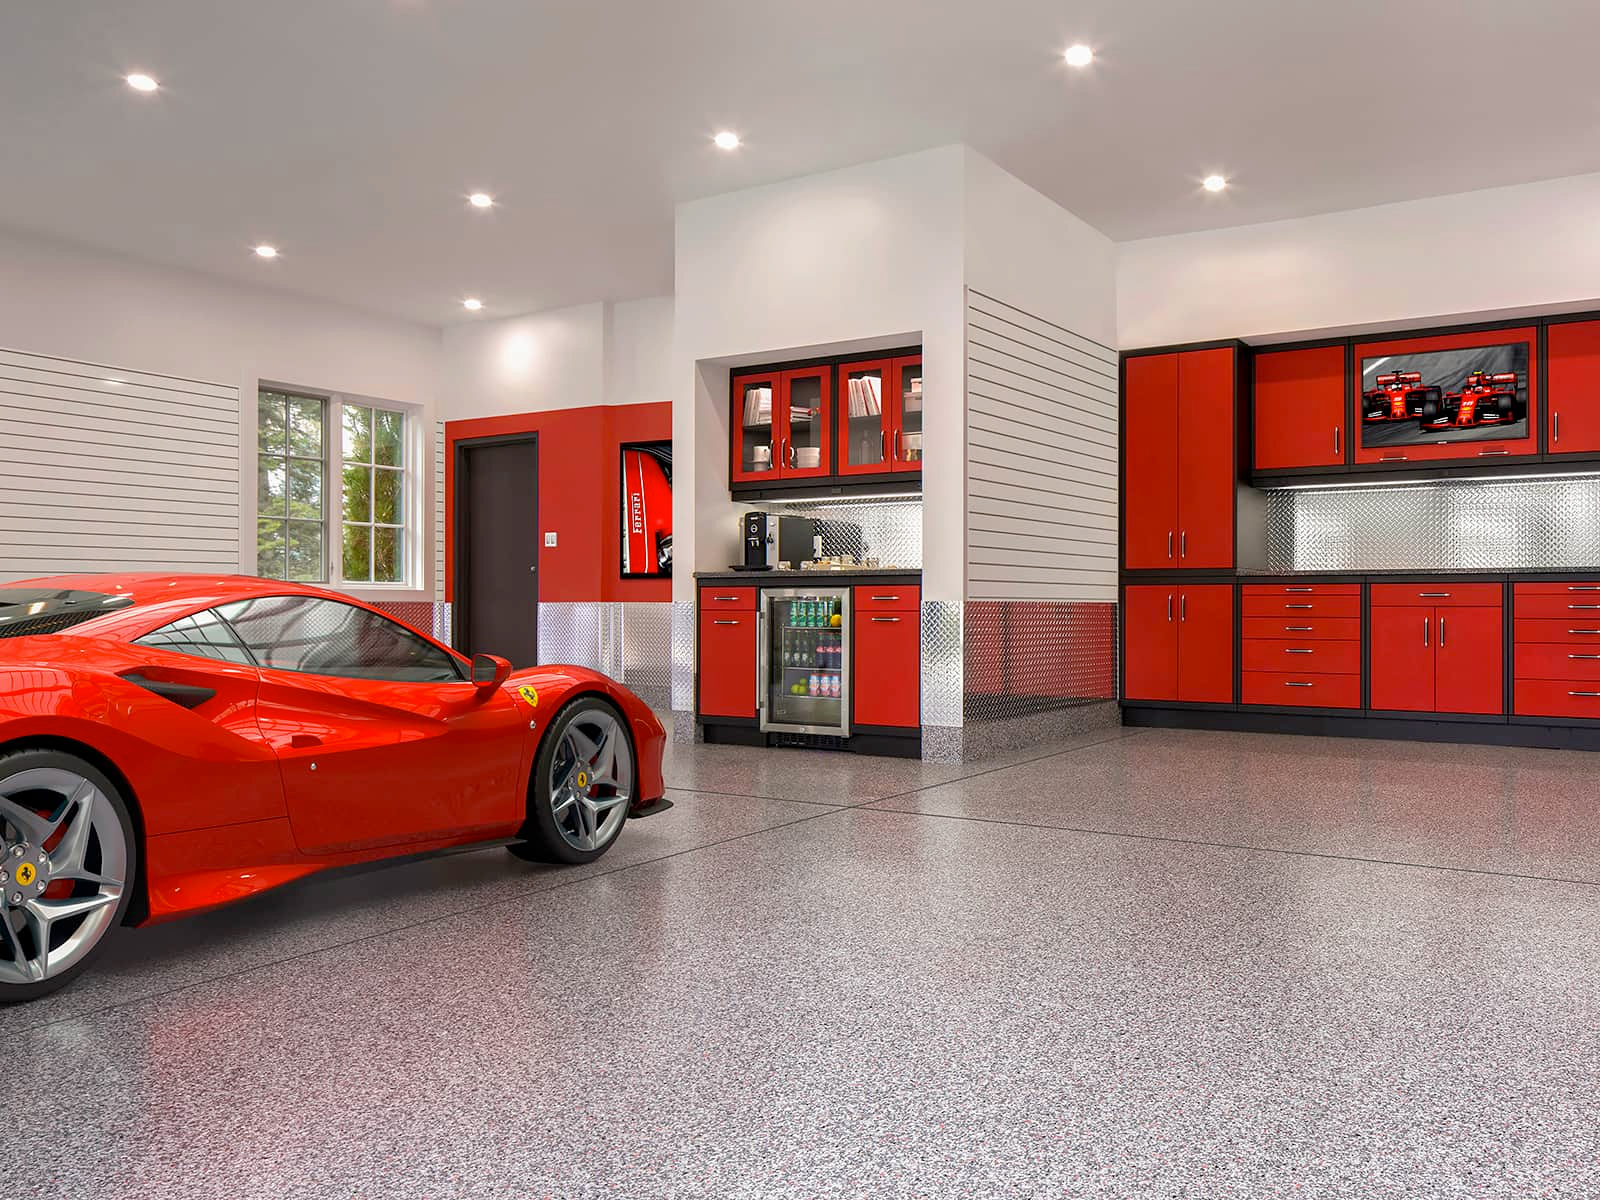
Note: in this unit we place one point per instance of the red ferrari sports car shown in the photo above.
(171, 743)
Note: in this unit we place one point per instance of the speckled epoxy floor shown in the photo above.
(1155, 965)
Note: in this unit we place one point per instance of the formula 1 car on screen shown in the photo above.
(173, 743)
(1484, 399)
(1398, 396)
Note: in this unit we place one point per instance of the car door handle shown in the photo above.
(304, 741)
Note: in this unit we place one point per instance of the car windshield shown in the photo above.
(25, 612)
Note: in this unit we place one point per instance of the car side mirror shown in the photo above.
(489, 671)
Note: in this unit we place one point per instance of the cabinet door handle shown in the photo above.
(726, 599)
(884, 598)
(1584, 656)
(894, 446)
(1300, 589)
(1434, 595)
(1441, 633)
(1556, 417)
(1169, 543)
(1583, 693)
(1169, 606)
(883, 444)
(1297, 652)
(1583, 606)
(886, 620)
(1298, 629)
(1183, 544)
(1583, 631)
(1336, 439)
(1392, 458)
(1299, 605)
(1288, 684)
(1424, 631)
(1583, 587)
(734, 621)
(1491, 453)
(1183, 606)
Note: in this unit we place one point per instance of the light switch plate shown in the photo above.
(549, 539)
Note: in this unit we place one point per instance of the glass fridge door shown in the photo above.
(806, 661)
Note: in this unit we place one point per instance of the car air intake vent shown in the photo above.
(53, 623)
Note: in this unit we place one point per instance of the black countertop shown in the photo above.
(841, 578)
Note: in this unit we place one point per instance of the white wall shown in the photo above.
(817, 265)
(530, 363)
(80, 304)
(639, 352)
(1477, 254)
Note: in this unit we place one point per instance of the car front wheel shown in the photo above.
(584, 782)
(67, 860)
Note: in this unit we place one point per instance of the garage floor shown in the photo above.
(1145, 964)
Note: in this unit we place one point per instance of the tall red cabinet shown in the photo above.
(1180, 473)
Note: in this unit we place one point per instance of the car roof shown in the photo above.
(152, 588)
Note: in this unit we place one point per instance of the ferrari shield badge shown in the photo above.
(530, 694)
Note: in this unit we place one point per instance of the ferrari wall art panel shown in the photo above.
(647, 510)
(1470, 394)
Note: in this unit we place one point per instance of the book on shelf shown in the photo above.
(866, 400)
(757, 406)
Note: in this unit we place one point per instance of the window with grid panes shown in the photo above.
(291, 518)
(373, 477)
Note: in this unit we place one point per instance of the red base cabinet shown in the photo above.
(728, 652)
(1556, 647)
(1438, 648)
(1178, 643)
(1300, 645)
(888, 663)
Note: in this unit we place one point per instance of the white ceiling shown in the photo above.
(347, 131)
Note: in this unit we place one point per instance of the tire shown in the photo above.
(51, 798)
(576, 807)
(1432, 409)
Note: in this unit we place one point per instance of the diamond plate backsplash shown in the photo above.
(1449, 525)
(1030, 656)
(891, 530)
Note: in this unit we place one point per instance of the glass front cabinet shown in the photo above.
(782, 425)
(880, 416)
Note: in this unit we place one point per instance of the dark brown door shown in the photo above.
(497, 547)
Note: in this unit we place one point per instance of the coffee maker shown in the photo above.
(770, 540)
(757, 543)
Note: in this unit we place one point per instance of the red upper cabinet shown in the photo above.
(1300, 408)
(1574, 386)
(866, 417)
(805, 423)
(1468, 396)
(1150, 440)
(1179, 454)
(905, 442)
(755, 404)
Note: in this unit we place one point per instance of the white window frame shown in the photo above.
(416, 556)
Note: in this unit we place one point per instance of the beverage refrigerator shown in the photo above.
(804, 661)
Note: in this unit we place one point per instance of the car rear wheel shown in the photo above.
(67, 862)
(584, 782)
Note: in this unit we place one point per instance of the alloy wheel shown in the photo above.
(63, 871)
(591, 780)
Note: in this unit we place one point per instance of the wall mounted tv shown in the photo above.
(1439, 397)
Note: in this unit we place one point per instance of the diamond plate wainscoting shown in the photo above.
(1451, 525)
(629, 642)
(943, 666)
(684, 727)
(1033, 671)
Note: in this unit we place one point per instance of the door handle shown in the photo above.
(1299, 605)
(894, 447)
(1583, 631)
(304, 741)
(1169, 543)
(1583, 606)
(1424, 631)
(1299, 590)
(1183, 606)
(1441, 633)
(883, 445)
(1583, 693)
(1491, 453)
(1297, 651)
(1434, 595)
(1391, 458)
(1183, 544)
(1299, 628)
(734, 621)
(1584, 656)
(884, 598)
(1169, 606)
(1556, 418)
(1583, 587)
(1336, 439)
(726, 599)
(887, 620)
(1288, 684)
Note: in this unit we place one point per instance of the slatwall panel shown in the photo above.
(1041, 458)
(105, 469)
(438, 511)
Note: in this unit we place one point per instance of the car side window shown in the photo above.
(205, 635)
(326, 637)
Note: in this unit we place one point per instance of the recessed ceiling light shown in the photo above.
(481, 200)
(1079, 55)
(472, 304)
(141, 82)
(1214, 183)
(265, 251)
(727, 140)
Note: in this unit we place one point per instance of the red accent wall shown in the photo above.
(580, 452)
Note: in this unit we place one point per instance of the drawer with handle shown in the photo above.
(726, 599)
(888, 598)
(1295, 627)
(1556, 698)
(1580, 606)
(1557, 660)
(1309, 690)
(1386, 595)
(1577, 589)
(1291, 590)
(1327, 658)
(1577, 628)
(1302, 606)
